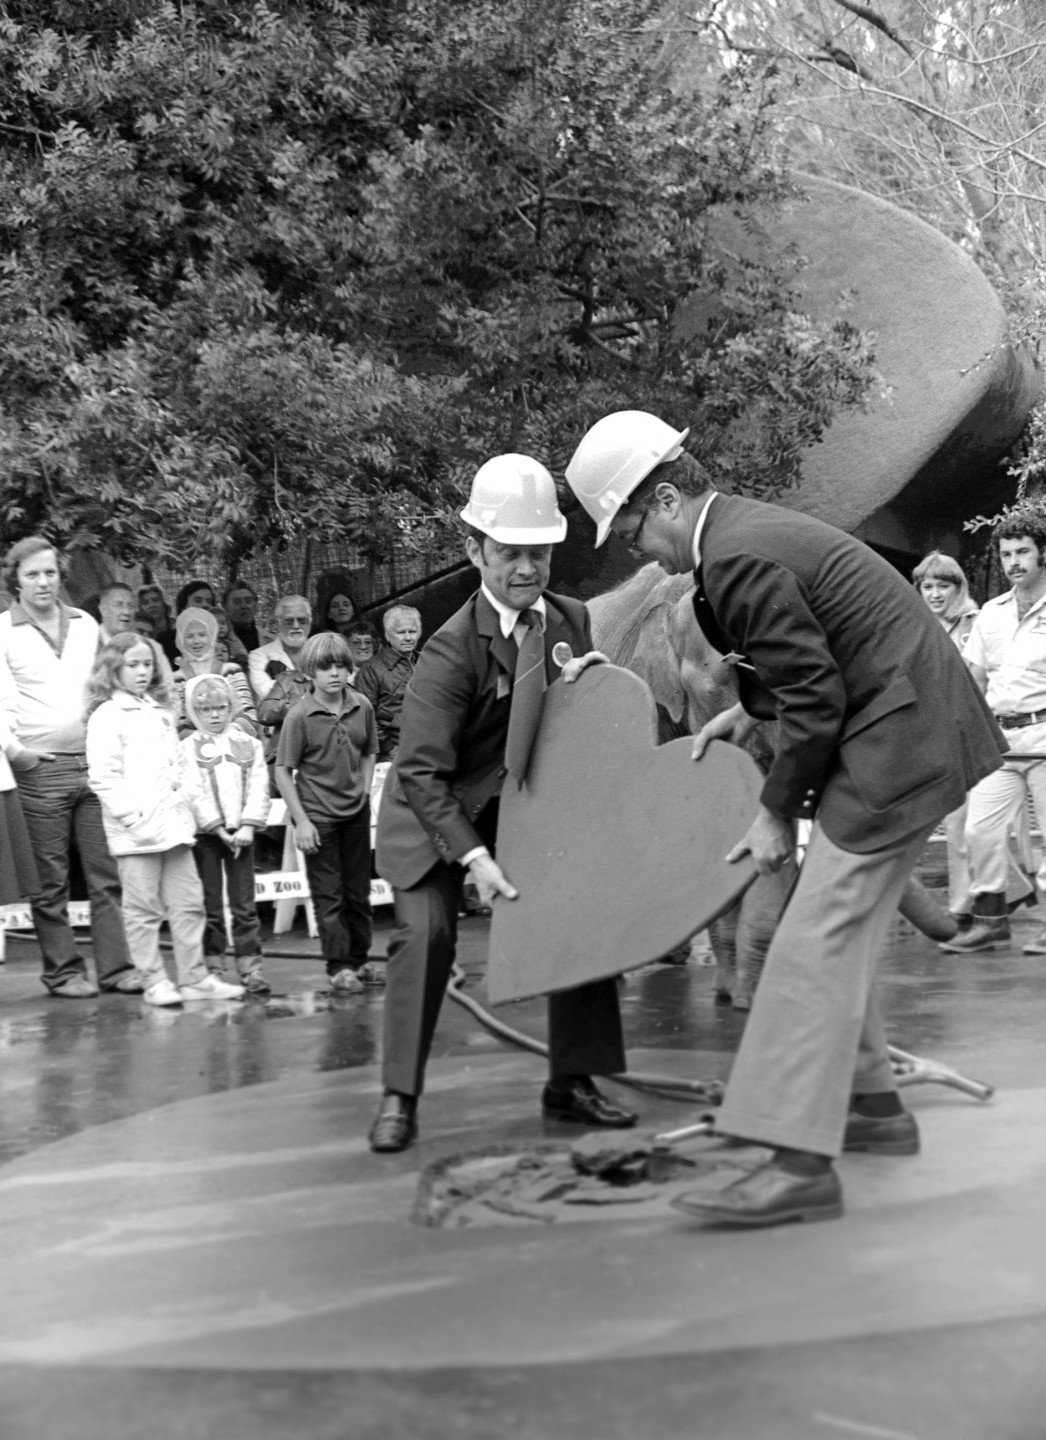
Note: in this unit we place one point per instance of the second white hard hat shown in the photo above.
(513, 500)
(614, 456)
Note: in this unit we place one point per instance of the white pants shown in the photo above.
(1020, 861)
(815, 1033)
(164, 887)
(994, 805)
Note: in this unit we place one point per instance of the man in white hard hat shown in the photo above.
(881, 733)
(468, 720)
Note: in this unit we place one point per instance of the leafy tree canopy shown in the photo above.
(281, 269)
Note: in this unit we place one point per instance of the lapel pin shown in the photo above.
(561, 653)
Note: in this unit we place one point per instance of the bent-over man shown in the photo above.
(881, 733)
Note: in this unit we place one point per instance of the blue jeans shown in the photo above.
(60, 808)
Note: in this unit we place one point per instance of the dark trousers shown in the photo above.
(61, 809)
(339, 879)
(584, 1025)
(213, 859)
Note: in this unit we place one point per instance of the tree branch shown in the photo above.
(863, 12)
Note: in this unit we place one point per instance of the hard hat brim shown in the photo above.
(504, 535)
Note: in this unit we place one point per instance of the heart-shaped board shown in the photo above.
(617, 845)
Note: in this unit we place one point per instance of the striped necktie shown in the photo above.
(528, 697)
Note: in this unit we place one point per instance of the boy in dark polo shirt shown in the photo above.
(324, 767)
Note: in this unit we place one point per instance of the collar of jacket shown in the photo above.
(503, 647)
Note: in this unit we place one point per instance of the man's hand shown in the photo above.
(573, 668)
(27, 760)
(733, 725)
(489, 879)
(307, 837)
(770, 841)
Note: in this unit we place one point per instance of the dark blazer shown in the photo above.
(882, 728)
(453, 726)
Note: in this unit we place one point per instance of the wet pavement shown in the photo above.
(198, 1242)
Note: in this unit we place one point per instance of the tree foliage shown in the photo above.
(281, 269)
(936, 105)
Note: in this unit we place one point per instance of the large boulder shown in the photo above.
(958, 395)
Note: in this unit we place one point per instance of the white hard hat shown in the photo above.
(614, 456)
(513, 500)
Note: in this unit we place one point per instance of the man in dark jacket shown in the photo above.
(469, 717)
(881, 733)
(385, 678)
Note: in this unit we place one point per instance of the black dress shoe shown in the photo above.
(767, 1195)
(396, 1124)
(882, 1134)
(582, 1104)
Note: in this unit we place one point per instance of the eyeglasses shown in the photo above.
(632, 542)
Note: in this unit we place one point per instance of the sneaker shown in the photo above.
(162, 993)
(346, 982)
(77, 987)
(211, 988)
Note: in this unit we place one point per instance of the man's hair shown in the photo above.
(322, 651)
(1023, 522)
(393, 613)
(285, 600)
(21, 551)
(236, 585)
(688, 475)
(111, 590)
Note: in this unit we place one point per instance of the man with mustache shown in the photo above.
(1006, 653)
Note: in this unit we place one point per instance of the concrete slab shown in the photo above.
(253, 1229)
(206, 1249)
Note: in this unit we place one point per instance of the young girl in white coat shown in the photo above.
(138, 772)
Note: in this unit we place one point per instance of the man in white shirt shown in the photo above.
(293, 615)
(47, 650)
(1006, 653)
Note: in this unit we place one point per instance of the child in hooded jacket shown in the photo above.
(231, 802)
(145, 786)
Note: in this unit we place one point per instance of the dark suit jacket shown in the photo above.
(882, 729)
(453, 726)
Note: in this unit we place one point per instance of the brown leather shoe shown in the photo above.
(583, 1104)
(395, 1125)
(882, 1134)
(767, 1195)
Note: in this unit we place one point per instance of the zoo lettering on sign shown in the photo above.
(281, 885)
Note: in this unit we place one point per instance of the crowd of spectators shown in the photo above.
(191, 697)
